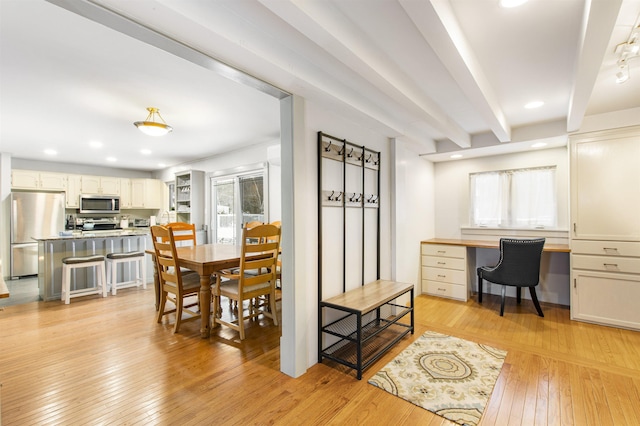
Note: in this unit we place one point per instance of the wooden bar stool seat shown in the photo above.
(75, 262)
(114, 259)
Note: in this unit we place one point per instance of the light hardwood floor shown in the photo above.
(106, 361)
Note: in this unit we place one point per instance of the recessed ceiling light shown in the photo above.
(534, 104)
(456, 156)
(512, 3)
(95, 144)
(162, 165)
(50, 152)
(145, 151)
(112, 159)
(538, 145)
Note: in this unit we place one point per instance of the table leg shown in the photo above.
(205, 306)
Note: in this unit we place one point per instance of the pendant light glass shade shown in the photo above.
(152, 127)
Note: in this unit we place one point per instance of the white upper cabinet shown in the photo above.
(125, 193)
(73, 191)
(30, 179)
(605, 185)
(100, 185)
(146, 193)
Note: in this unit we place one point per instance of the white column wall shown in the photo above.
(413, 211)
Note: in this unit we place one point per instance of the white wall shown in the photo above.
(452, 213)
(413, 211)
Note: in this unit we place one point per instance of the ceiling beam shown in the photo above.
(329, 29)
(438, 25)
(598, 22)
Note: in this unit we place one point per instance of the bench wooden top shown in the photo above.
(369, 296)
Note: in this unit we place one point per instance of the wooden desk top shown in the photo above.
(553, 248)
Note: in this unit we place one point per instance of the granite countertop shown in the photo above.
(83, 235)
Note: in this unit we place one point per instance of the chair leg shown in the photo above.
(163, 301)
(179, 304)
(534, 297)
(519, 294)
(241, 317)
(504, 288)
(272, 304)
(479, 289)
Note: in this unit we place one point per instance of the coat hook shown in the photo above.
(330, 197)
(339, 196)
(368, 160)
(328, 147)
(350, 154)
(342, 150)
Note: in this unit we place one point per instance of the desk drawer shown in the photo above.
(606, 248)
(625, 265)
(444, 250)
(444, 275)
(444, 262)
(441, 289)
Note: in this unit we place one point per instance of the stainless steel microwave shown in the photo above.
(99, 203)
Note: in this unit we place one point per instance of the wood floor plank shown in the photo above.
(106, 361)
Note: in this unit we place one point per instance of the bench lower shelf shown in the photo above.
(371, 326)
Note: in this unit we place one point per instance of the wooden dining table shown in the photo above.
(205, 259)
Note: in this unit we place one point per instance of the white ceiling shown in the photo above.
(444, 75)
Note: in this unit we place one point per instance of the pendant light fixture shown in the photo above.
(152, 127)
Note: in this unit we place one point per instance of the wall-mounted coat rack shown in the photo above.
(349, 178)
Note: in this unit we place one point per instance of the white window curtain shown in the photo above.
(524, 198)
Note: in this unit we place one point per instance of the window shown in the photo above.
(237, 200)
(523, 198)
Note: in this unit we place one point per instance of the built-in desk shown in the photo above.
(556, 248)
(448, 265)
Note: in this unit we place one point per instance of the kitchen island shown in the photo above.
(51, 251)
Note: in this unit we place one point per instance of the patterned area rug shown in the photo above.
(448, 376)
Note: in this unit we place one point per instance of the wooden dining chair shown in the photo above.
(174, 286)
(255, 278)
(279, 263)
(183, 233)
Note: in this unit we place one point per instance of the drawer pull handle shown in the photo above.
(610, 265)
(610, 249)
(442, 289)
(441, 276)
(442, 263)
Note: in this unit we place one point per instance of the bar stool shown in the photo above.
(113, 259)
(74, 262)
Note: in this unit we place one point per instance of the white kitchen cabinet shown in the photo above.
(104, 185)
(125, 193)
(605, 185)
(445, 271)
(31, 179)
(73, 191)
(146, 193)
(190, 197)
(605, 235)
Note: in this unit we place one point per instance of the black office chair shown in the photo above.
(519, 266)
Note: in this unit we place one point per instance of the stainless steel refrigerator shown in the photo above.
(33, 214)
